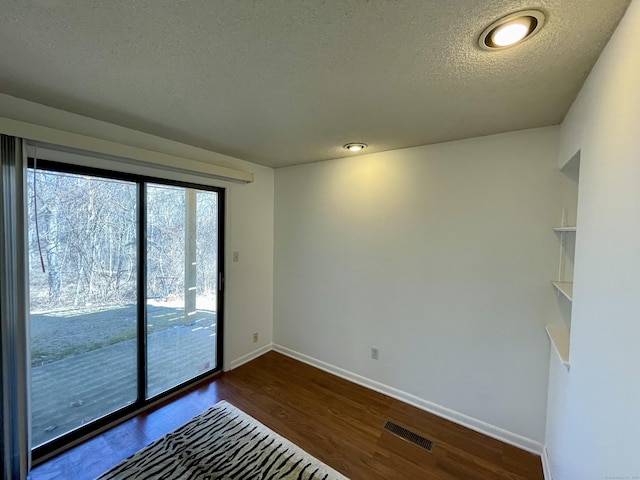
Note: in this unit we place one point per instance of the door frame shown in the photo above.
(66, 441)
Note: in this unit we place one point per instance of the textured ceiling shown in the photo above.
(282, 82)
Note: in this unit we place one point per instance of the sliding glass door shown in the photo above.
(182, 285)
(83, 296)
(124, 294)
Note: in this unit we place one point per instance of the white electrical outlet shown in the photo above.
(235, 256)
(374, 353)
(255, 337)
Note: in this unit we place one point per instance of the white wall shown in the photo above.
(593, 426)
(249, 221)
(442, 257)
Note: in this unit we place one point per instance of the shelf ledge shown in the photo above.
(559, 336)
(564, 229)
(565, 288)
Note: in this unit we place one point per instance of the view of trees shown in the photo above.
(87, 231)
(167, 239)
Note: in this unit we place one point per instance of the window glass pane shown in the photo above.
(182, 284)
(83, 305)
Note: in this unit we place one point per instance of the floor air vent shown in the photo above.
(409, 436)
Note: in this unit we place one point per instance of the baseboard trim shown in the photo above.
(250, 356)
(480, 426)
(546, 465)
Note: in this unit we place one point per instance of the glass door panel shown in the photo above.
(83, 297)
(182, 285)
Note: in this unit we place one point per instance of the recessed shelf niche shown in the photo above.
(559, 331)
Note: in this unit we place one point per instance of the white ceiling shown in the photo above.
(282, 82)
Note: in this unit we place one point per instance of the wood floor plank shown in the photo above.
(340, 423)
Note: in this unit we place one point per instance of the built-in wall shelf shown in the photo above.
(565, 288)
(559, 327)
(559, 336)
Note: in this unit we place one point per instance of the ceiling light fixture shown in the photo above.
(355, 147)
(511, 30)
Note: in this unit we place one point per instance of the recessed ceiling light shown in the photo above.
(355, 147)
(512, 29)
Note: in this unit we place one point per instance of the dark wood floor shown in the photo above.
(336, 421)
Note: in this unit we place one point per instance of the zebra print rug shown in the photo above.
(222, 443)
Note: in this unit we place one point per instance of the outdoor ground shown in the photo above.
(84, 362)
(58, 334)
